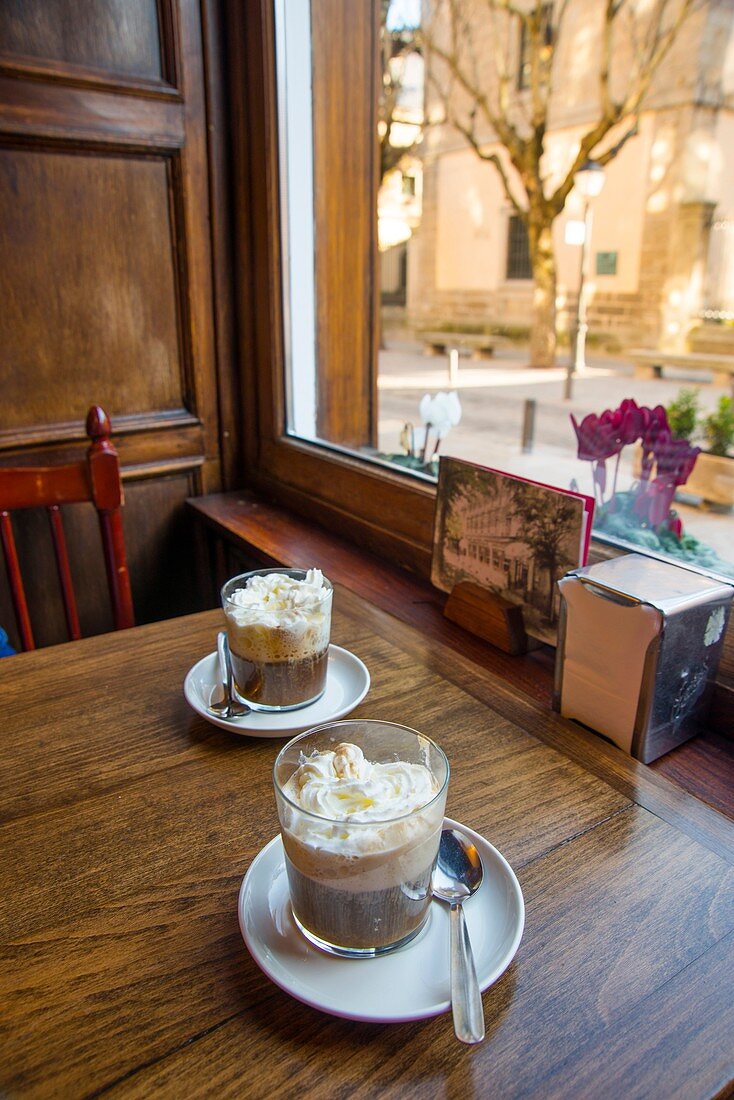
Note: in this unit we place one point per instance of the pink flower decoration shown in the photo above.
(655, 423)
(596, 437)
(674, 459)
(628, 421)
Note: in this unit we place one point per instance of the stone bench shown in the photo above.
(649, 363)
(480, 345)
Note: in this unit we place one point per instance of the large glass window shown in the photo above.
(421, 319)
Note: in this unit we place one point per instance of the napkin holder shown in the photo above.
(638, 647)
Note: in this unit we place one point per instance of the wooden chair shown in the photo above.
(96, 479)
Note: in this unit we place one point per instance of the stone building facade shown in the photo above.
(667, 194)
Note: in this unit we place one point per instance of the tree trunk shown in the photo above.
(543, 331)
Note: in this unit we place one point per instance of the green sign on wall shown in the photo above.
(606, 263)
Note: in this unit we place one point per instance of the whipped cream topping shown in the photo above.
(277, 592)
(276, 617)
(343, 786)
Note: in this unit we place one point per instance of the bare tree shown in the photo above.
(474, 49)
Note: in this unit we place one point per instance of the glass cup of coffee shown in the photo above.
(278, 627)
(361, 807)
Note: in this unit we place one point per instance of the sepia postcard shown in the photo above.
(513, 536)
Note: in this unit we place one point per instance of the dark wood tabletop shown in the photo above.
(128, 822)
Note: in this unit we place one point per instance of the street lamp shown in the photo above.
(589, 182)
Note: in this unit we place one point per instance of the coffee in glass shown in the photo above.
(361, 807)
(278, 627)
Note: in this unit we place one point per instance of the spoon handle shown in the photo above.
(466, 1000)
(224, 673)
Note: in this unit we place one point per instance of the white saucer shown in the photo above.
(347, 683)
(409, 984)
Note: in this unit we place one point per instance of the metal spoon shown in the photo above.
(228, 707)
(457, 875)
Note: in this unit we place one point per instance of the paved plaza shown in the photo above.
(493, 393)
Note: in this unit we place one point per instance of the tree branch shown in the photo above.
(504, 129)
(658, 45)
(492, 158)
(658, 49)
(611, 153)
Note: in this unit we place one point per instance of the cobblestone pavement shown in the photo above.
(493, 393)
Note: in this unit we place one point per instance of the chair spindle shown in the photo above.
(17, 590)
(118, 578)
(62, 564)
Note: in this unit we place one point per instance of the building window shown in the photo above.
(518, 252)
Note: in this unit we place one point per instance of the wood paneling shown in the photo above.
(81, 306)
(82, 115)
(118, 36)
(162, 548)
(105, 270)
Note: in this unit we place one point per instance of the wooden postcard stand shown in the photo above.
(489, 616)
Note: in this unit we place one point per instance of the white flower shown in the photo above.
(419, 439)
(441, 412)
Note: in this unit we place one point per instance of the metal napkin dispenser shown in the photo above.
(639, 643)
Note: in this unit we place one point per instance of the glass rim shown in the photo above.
(368, 722)
(286, 571)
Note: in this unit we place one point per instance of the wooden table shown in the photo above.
(128, 823)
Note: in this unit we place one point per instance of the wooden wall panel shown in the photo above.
(119, 36)
(106, 278)
(162, 551)
(91, 291)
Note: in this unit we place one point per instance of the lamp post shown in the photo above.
(589, 182)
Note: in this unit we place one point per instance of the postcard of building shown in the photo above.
(514, 536)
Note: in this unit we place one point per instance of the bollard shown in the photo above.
(528, 425)
(453, 366)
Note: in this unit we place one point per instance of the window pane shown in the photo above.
(511, 273)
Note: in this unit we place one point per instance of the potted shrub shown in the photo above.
(683, 414)
(713, 475)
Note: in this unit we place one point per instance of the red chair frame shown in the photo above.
(95, 479)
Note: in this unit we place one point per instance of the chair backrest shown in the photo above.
(95, 479)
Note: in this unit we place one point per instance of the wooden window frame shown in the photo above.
(383, 511)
